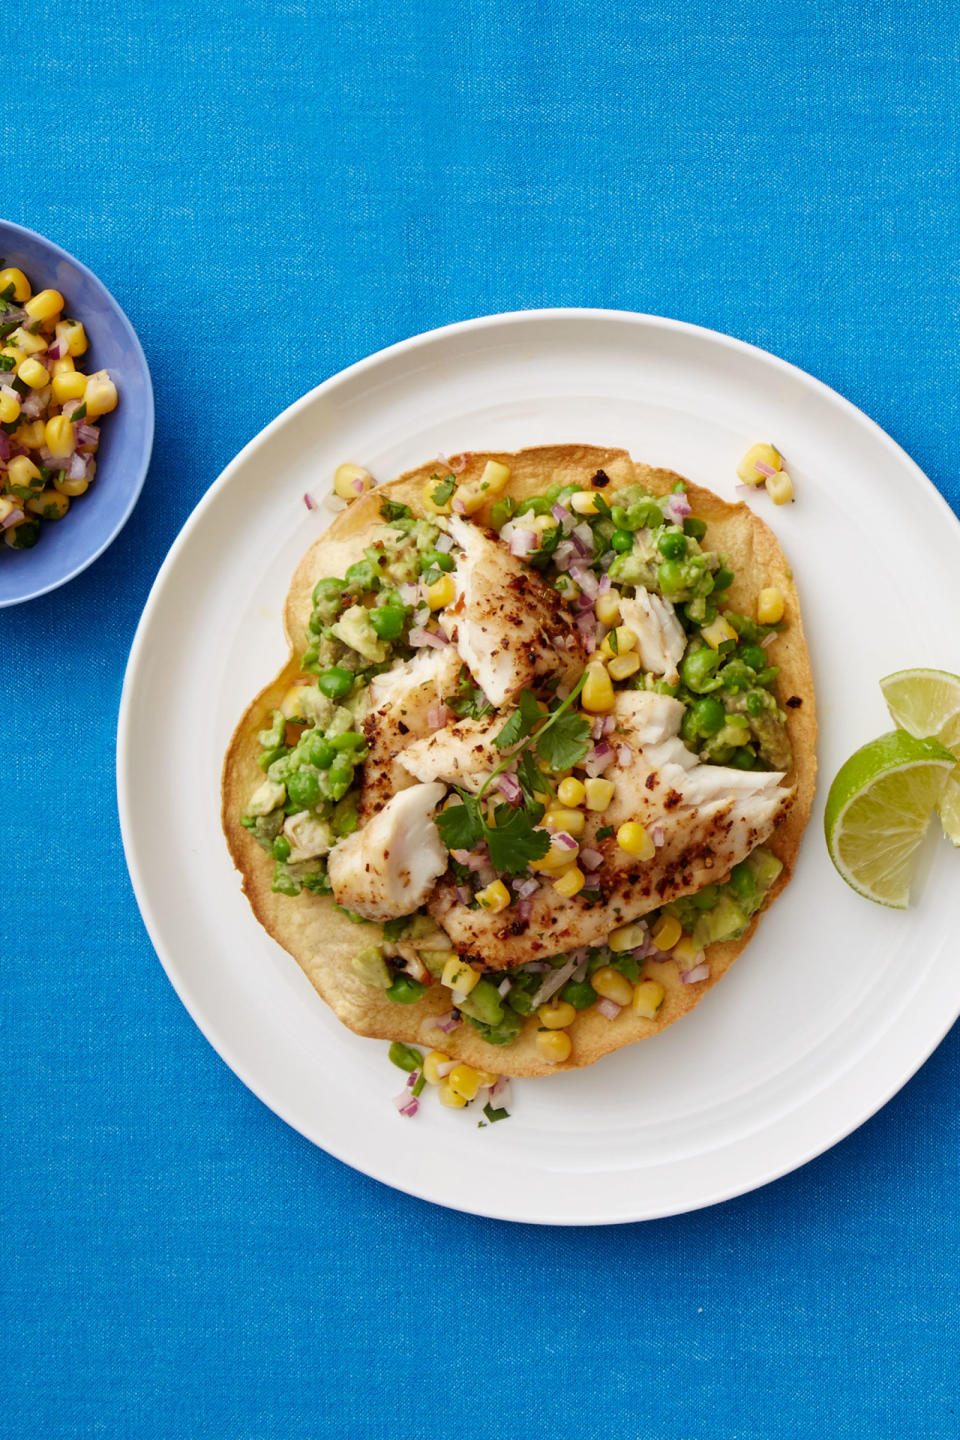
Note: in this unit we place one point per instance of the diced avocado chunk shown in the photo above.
(371, 967)
(354, 629)
(483, 1004)
(765, 866)
(266, 797)
(725, 921)
(503, 1033)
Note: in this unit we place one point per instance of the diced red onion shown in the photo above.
(768, 640)
(443, 543)
(598, 759)
(357, 485)
(762, 469)
(562, 517)
(523, 542)
(500, 1090)
(444, 1068)
(57, 350)
(590, 859)
(4, 445)
(419, 637)
(552, 983)
(678, 507)
(624, 755)
(447, 1022)
(409, 593)
(33, 405)
(526, 888)
(609, 724)
(87, 434)
(587, 581)
(309, 501)
(509, 787)
(458, 463)
(605, 583)
(609, 1009)
(584, 534)
(13, 518)
(458, 506)
(464, 894)
(699, 972)
(587, 630)
(505, 987)
(537, 967)
(563, 555)
(406, 1104)
(12, 317)
(564, 840)
(412, 1079)
(77, 468)
(657, 835)
(438, 716)
(524, 909)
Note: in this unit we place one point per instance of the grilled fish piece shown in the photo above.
(388, 867)
(401, 699)
(660, 637)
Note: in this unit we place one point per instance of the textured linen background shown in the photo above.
(272, 193)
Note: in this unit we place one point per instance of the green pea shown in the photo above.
(722, 578)
(552, 494)
(387, 620)
(650, 514)
(695, 528)
(327, 596)
(621, 518)
(405, 1057)
(281, 848)
(754, 703)
(303, 789)
(350, 740)
(317, 750)
(742, 882)
(404, 990)
(621, 541)
(501, 511)
(535, 505)
(672, 545)
(340, 777)
(753, 655)
(364, 575)
(670, 577)
(743, 759)
(335, 682)
(709, 715)
(579, 993)
(697, 669)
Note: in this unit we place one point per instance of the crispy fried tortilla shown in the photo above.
(324, 941)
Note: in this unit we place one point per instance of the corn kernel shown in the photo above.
(73, 488)
(63, 366)
(494, 477)
(49, 505)
(558, 857)
(430, 1063)
(464, 1080)
(30, 433)
(59, 436)
(9, 409)
(612, 985)
(29, 344)
(493, 897)
(554, 1045)
(74, 334)
(606, 607)
(584, 502)
(458, 975)
(717, 632)
(68, 385)
(44, 305)
(779, 488)
(571, 791)
(32, 373)
(619, 642)
(758, 455)
(557, 1015)
(626, 937)
(7, 506)
(570, 882)
(21, 285)
(770, 606)
(687, 952)
(599, 793)
(449, 1097)
(597, 694)
(14, 353)
(633, 838)
(561, 819)
(100, 396)
(22, 472)
(621, 667)
(351, 481)
(442, 592)
(667, 932)
(487, 1078)
(647, 998)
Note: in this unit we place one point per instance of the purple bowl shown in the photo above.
(69, 545)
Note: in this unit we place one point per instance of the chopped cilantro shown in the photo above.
(443, 491)
(604, 832)
(494, 1115)
(391, 510)
(564, 742)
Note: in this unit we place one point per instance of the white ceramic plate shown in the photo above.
(835, 1003)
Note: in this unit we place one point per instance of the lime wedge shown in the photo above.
(927, 702)
(878, 810)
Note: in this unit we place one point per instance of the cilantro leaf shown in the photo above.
(521, 722)
(461, 826)
(515, 841)
(391, 510)
(531, 777)
(443, 491)
(564, 743)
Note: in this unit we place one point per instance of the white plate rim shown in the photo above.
(179, 980)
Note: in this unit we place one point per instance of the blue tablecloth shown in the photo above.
(273, 191)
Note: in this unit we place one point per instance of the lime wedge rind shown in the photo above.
(926, 703)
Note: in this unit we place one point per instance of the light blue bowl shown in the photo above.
(69, 545)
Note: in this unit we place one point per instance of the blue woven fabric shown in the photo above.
(271, 194)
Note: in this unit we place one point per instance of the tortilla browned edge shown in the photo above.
(323, 941)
